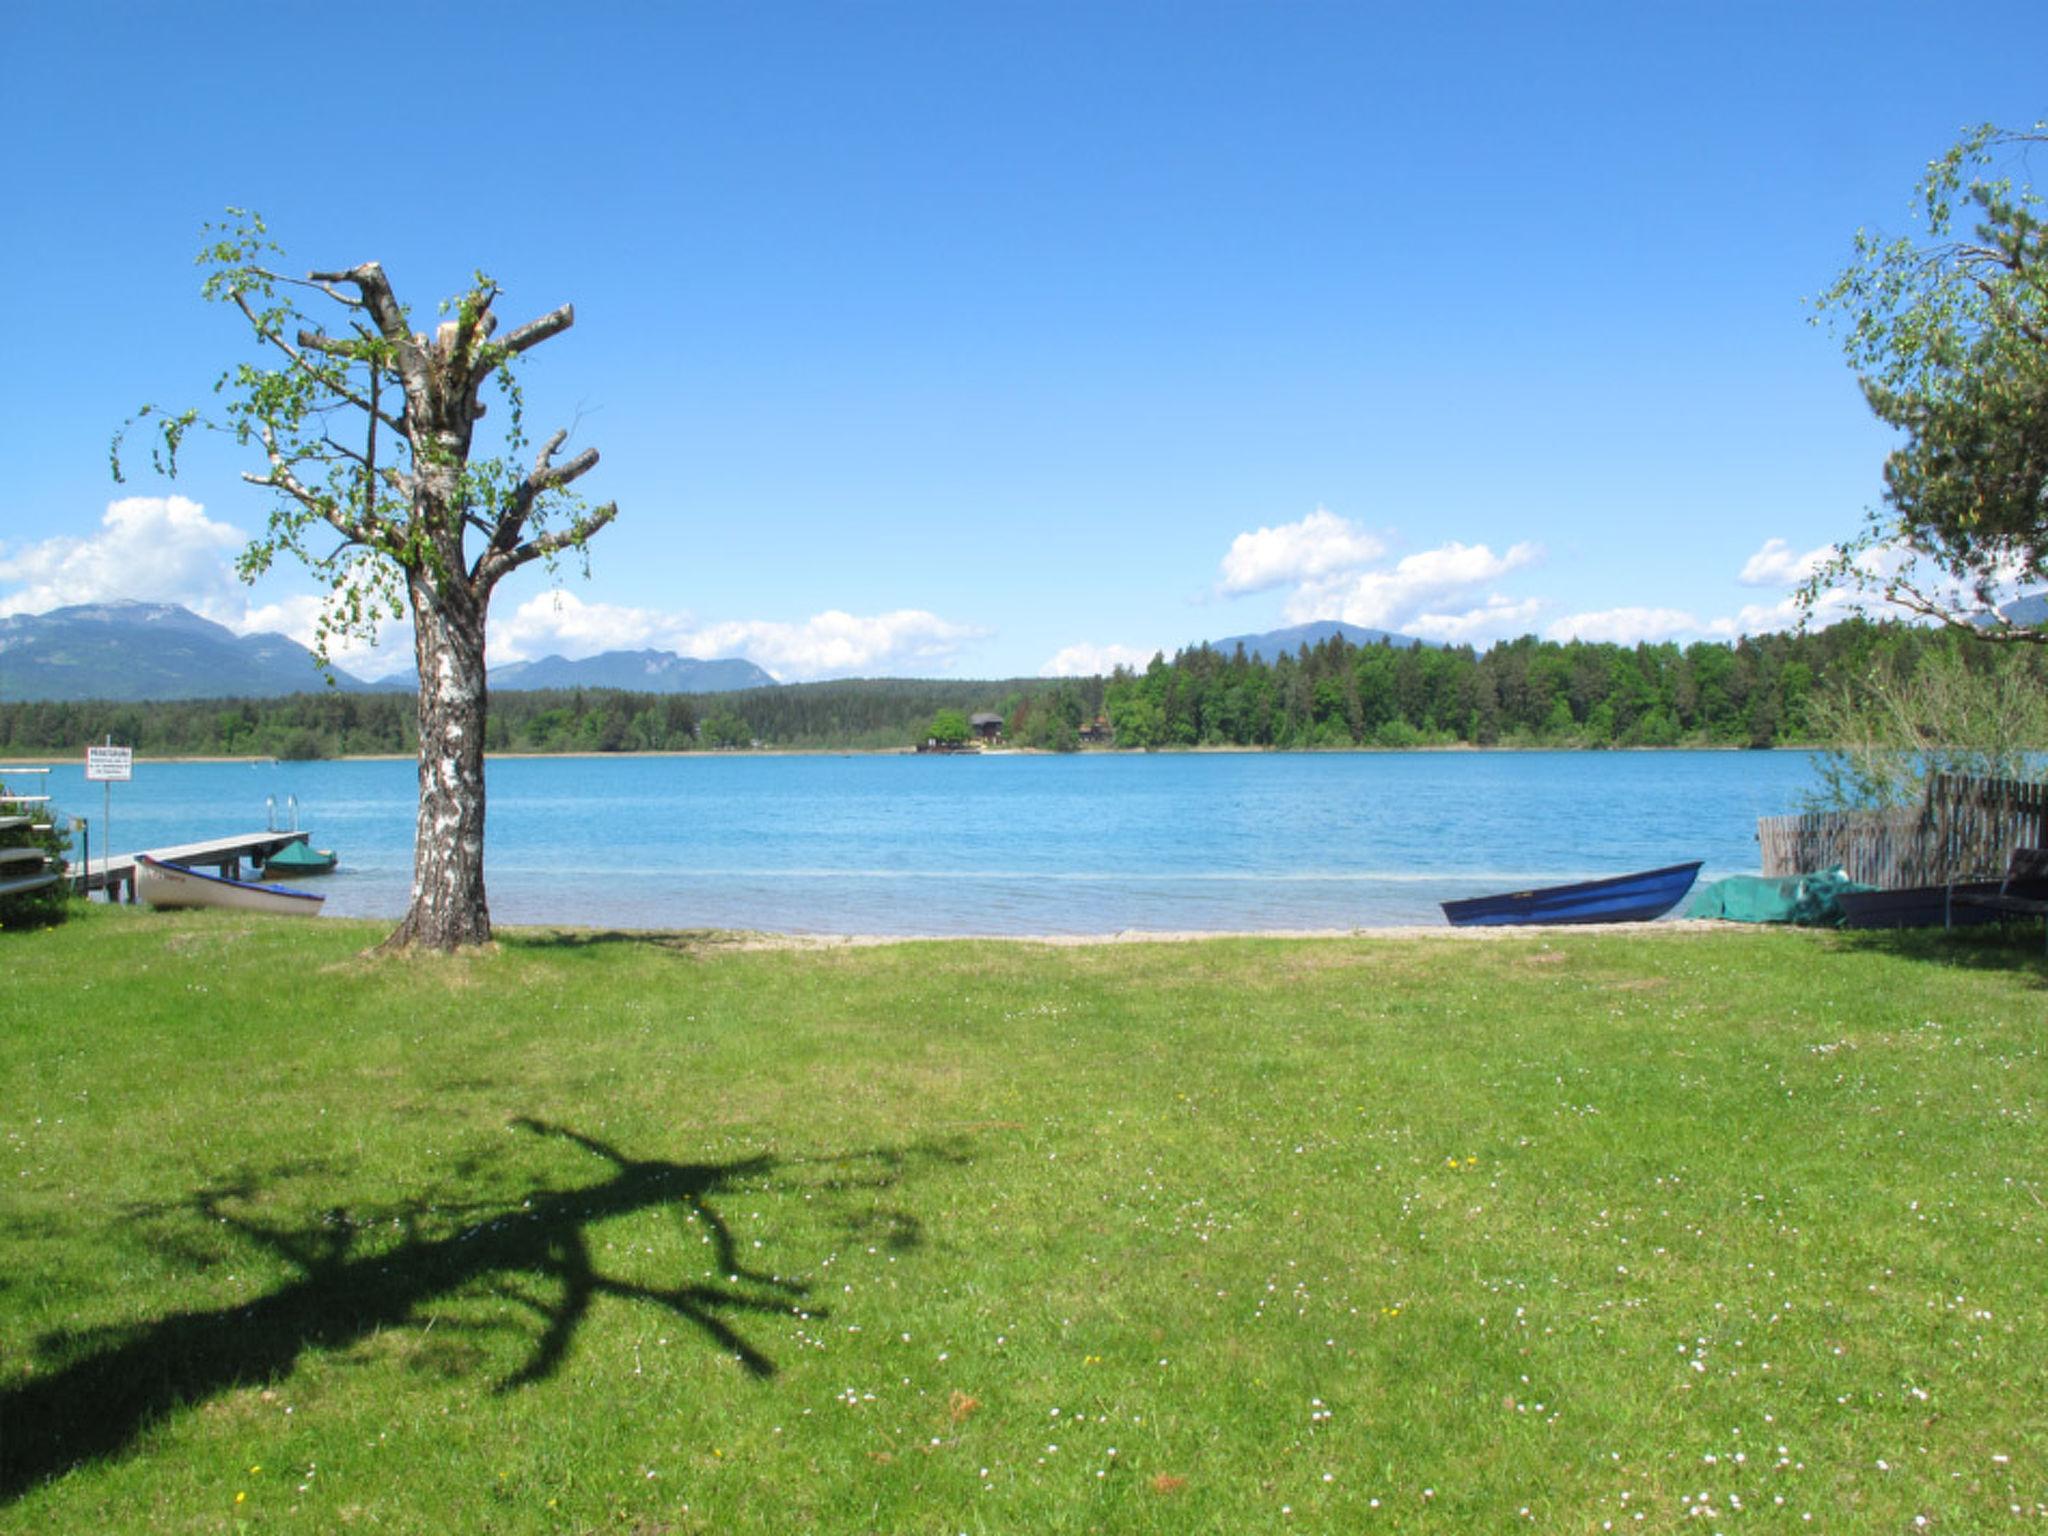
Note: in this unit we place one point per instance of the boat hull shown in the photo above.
(1636, 898)
(1920, 906)
(172, 886)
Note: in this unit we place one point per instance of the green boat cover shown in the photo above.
(1811, 900)
(299, 856)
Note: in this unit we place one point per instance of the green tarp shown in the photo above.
(1813, 900)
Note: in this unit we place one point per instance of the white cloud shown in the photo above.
(299, 617)
(829, 644)
(165, 549)
(1497, 618)
(1831, 607)
(1088, 660)
(1446, 576)
(557, 622)
(1315, 547)
(161, 549)
(1625, 626)
(294, 616)
(1769, 618)
(1776, 565)
(836, 644)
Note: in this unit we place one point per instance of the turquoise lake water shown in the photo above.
(997, 845)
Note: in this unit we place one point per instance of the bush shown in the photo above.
(301, 745)
(1946, 711)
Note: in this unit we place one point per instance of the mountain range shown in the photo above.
(636, 671)
(629, 671)
(132, 652)
(135, 651)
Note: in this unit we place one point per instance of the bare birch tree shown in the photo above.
(365, 428)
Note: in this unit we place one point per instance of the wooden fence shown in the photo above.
(1966, 830)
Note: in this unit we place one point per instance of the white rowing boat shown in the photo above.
(173, 885)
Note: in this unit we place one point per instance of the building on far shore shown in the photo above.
(987, 728)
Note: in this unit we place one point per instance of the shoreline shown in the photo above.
(1458, 748)
(745, 940)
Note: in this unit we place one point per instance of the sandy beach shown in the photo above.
(825, 941)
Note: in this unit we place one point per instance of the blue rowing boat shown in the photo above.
(1636, 898)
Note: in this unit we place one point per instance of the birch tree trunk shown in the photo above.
(448, 908)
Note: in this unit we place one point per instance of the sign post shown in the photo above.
(111, 765)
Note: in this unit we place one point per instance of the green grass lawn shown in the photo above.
(1710, 1232)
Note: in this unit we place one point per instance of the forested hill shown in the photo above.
(854, 714)
(1527, 692)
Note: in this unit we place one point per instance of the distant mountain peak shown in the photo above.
(129, 610)
(1285, 642)
(2031, 609)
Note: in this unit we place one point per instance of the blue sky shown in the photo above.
(997, 339)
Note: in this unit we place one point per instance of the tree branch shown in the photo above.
(298, 360)
(282, 479)
(578, 532)
(323, 282)
(534, 332)
(366, 529)
(320, 341)
(389, 315)
(345, 451)
(498, 564)
(1999, 629)
(546, 475)
(377, 298)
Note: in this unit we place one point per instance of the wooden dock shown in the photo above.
(116, 876)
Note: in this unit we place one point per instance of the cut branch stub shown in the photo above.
(534, 332)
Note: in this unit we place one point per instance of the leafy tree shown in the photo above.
(948, 728)
(678, 720)
(1948, 332)
(723, 728)
(368, 432)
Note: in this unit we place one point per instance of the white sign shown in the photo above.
(113, 764)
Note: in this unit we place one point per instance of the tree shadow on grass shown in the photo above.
(113, 1383)
(2013, 948)
(678, 941)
